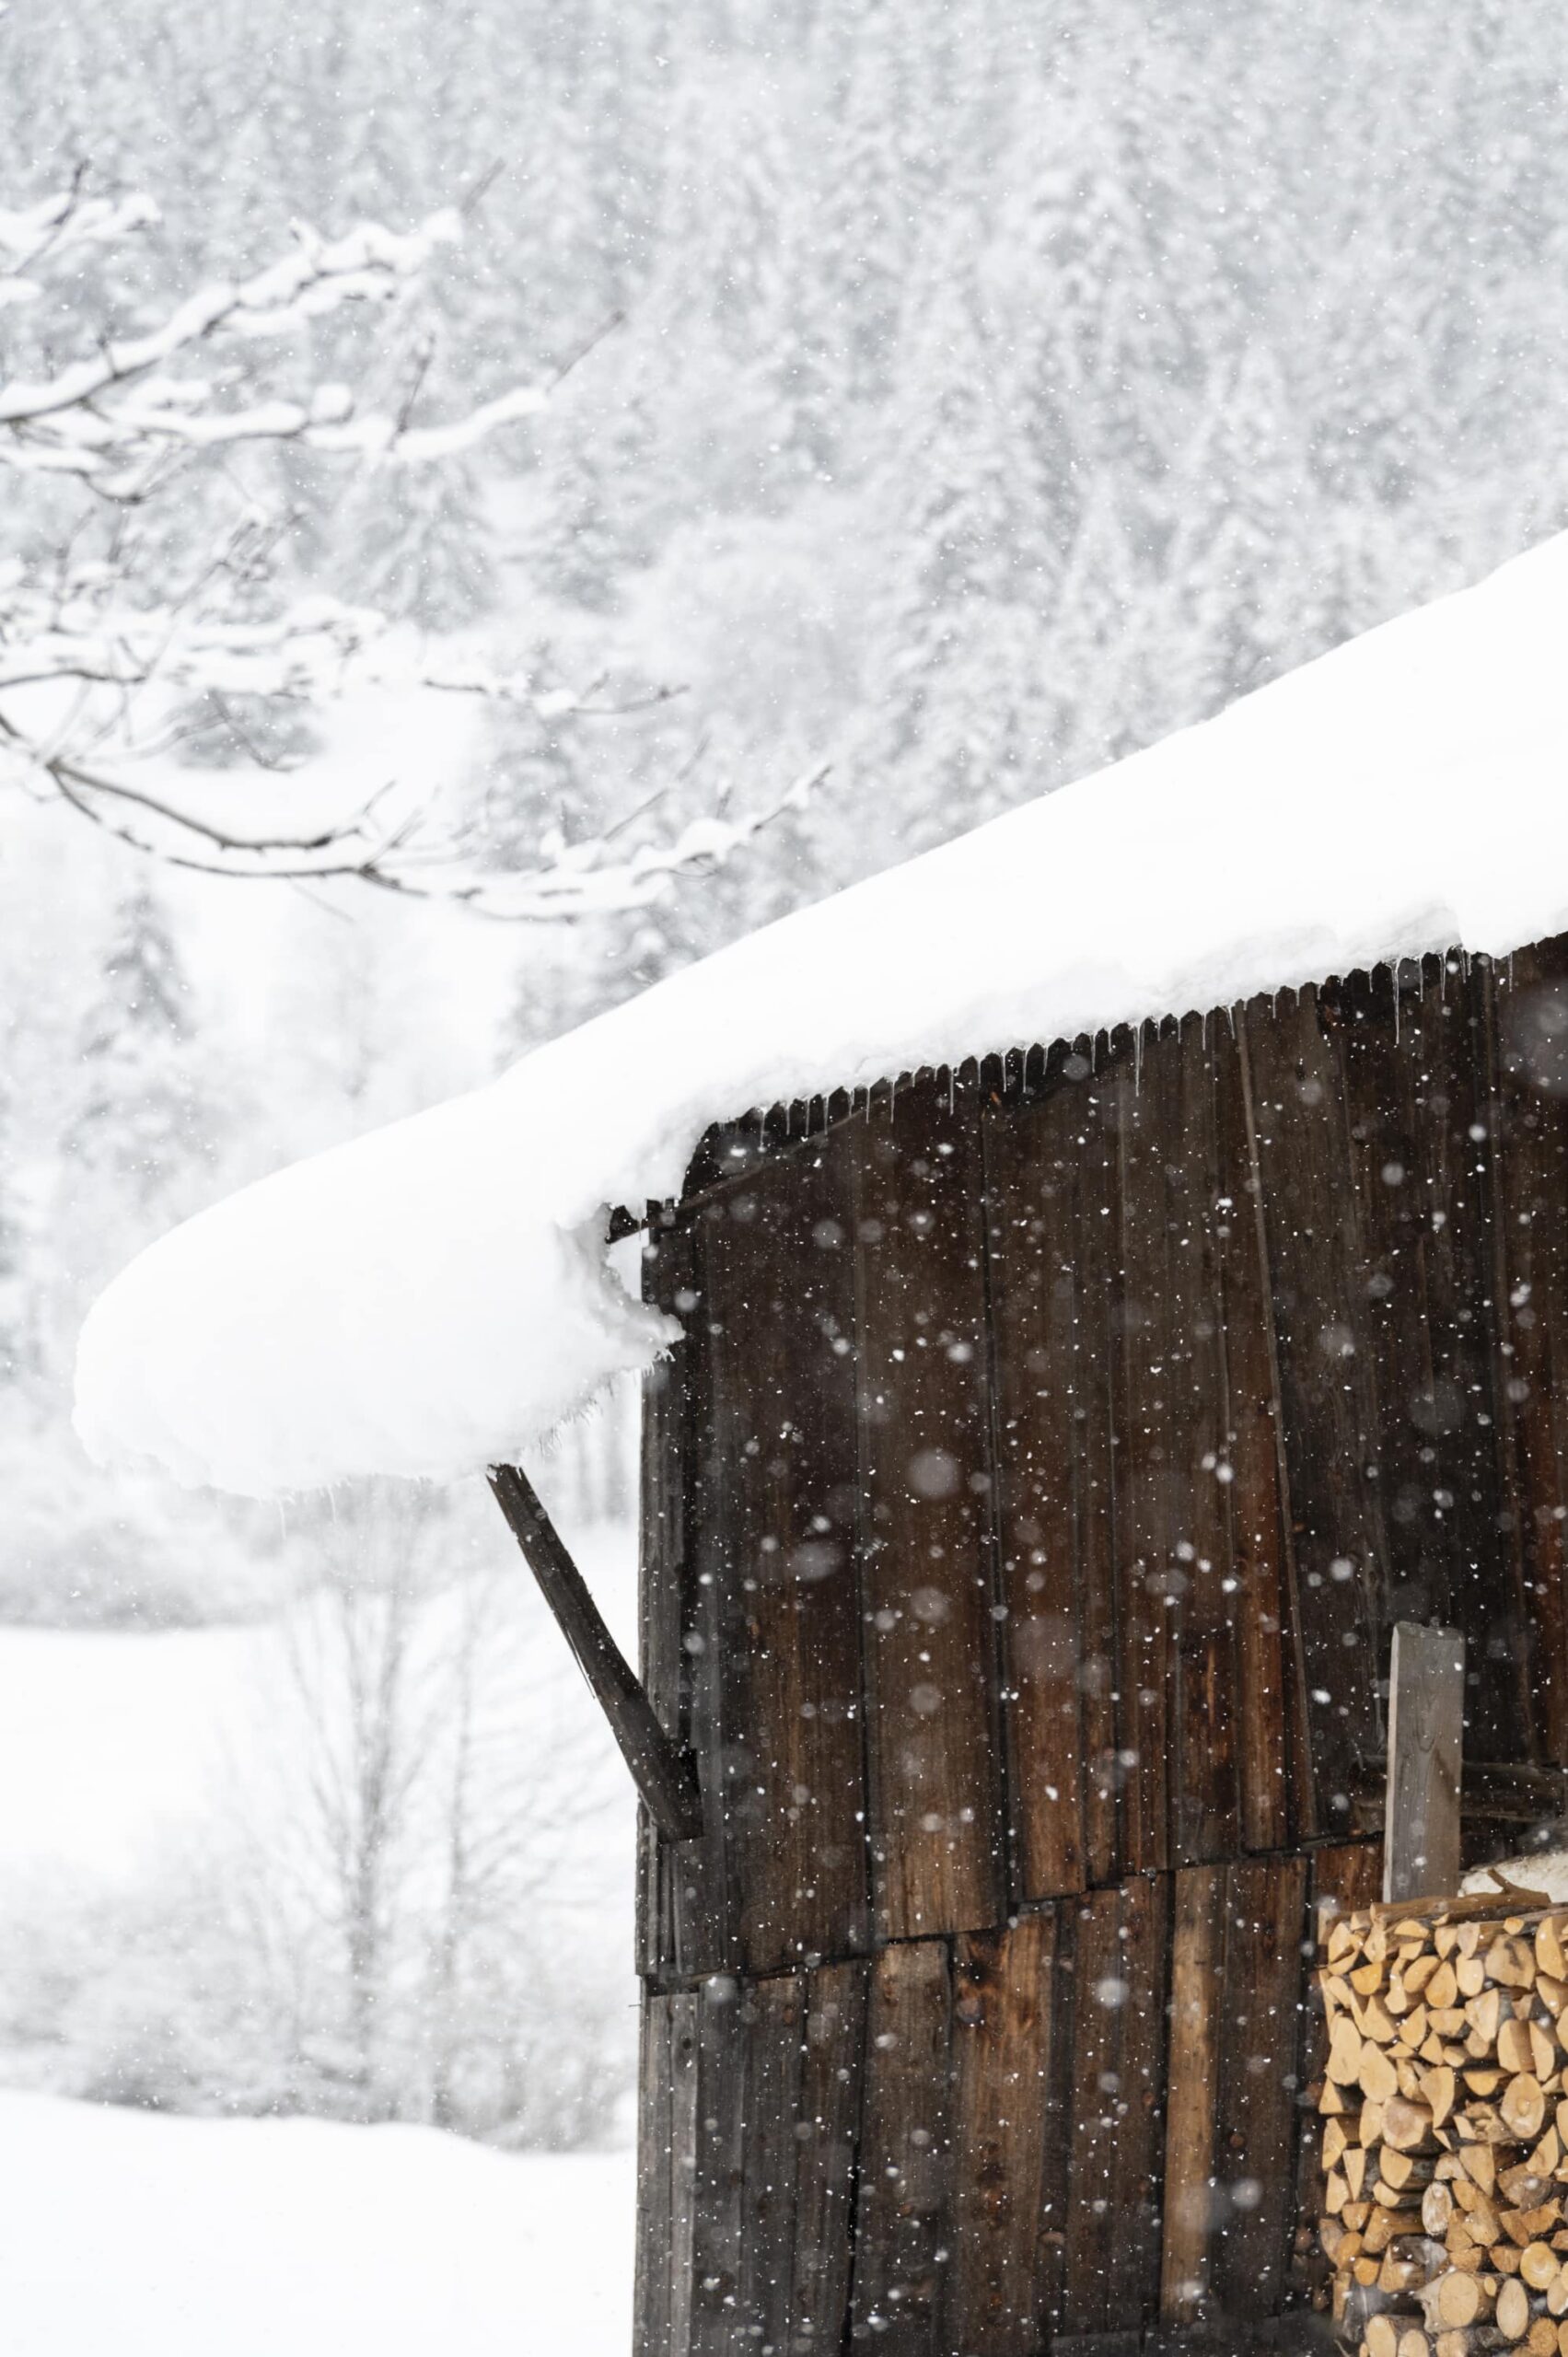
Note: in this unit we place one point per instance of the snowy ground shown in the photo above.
(124, 2233)
(132, 2235)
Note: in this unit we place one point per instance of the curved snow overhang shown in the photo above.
(433, 1297)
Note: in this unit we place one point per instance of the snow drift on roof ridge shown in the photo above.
(434, 1295)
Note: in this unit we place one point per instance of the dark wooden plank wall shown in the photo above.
(1051, 1451)
(1082, 2123)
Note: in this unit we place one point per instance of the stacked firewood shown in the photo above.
(1446, 2137)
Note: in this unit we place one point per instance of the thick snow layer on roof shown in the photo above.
(429, 1298)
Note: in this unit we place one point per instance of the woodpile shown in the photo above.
(1445, 2145)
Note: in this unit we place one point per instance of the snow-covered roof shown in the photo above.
(431, 1297)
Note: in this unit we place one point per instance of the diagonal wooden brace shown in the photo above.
(662, 1768)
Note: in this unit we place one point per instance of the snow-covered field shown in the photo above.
(126, 2234)
(109, 1739)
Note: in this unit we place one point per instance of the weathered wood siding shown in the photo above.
(1051, 1448)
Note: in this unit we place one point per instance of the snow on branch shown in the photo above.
(106, 641)
(111, 415)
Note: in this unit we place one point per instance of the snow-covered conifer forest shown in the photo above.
(496, 502)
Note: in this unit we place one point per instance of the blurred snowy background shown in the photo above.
(963, 394)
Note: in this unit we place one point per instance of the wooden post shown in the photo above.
(1426, 1712)
(663, 1769)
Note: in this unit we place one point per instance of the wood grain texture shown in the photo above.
(1052, 1427)
(1197, 1992)
(1208, 1704)
(783, 1542)
(833, 2076)
(932, 1649)
(665, 1498)
(900, 2238)
(1327, 1403)
(1011, 2044)
(1238, 1980)
(1112, 2259)
(1412, 1053)
(720, 2149)
(1426, 1712)
(1146, 1432)
(772, 2032)
(1530, 1301)
(657, 2163)
(712, 1632)
(1265, 1979)
(1273, 1774)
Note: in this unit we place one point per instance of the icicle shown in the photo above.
(1394, 969)
(1138, 1056)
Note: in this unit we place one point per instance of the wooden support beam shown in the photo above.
(662, 1769)
(1426, 1712)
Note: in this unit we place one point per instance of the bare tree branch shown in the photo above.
(97, 648)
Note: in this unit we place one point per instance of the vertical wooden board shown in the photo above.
(1426, 1709)
(712, 1633)
(1093, 1135)
(1530, 1297)
(1205, 1719)
(656, 2165)
(1413, 1059)
(931, 1640)
(1113, 2234)
(1301, 1151)
(1264, 1990)
(1178, 1668)
(773, 2020)
(1197, 2027)
(1144, 1507)
(1275, 1790)
(1049, 1336)
(833, 2069)
(779, 1286)
(1009, 2151)
(720, 2146)
(683, 2014)
(1487, 1601)
(664, 1867)
(902, 2209)
(1345, 1875)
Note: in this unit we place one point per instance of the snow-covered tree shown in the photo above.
(143, 1117)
